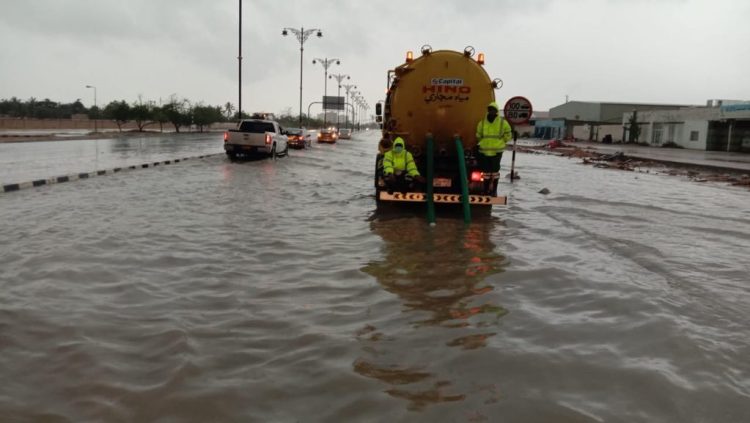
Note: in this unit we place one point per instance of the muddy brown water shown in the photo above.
(272, 291)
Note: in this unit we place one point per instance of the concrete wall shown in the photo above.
(694, 125)
(584, 132)
(683, 120)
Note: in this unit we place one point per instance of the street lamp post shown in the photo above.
(348, 88)
(355, 117)
(239, 65)
(359, 114)
(361, 107)
(96, 125)
(354, 99)
(339, 77)
(326, 62)
(302, 35)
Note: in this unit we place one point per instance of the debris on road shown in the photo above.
(620, 161)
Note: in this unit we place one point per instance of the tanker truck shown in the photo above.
(434, 103)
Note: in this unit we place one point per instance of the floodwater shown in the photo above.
(272, 291)
(26, 161)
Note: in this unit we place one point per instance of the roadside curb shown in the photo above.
(686, 163)
(86, 175)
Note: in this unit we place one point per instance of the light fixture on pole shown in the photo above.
(96, 117)
(339, 77)
(326, 62)
(302, 35)
(348, 88)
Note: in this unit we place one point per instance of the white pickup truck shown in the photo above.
(256, 137)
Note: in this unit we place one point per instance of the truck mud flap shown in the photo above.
(418, 197)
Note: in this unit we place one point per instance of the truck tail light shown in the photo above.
(268, 138)
(476, 176)
(226, 136)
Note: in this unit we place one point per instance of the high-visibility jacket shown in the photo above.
(399, 162)
(493, 136)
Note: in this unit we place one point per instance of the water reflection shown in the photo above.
(441, 276)
(438, 270)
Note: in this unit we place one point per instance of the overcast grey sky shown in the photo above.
(652, 51)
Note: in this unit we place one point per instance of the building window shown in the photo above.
(693, 135)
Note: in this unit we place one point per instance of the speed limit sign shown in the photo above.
(517, 110)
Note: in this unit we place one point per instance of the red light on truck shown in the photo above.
(476, 176)
(226, 136)
(268, 138)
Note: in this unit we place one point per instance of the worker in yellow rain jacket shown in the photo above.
(399, 168)
(493, 133)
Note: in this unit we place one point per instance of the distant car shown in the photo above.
(327, 135)
(345, 134)
(297, 137)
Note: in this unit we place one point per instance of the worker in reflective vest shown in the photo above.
(399, 168)
(493, 133)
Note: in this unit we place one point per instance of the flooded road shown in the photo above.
(271, 291)
(26, 161)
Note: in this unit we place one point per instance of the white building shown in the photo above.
(593, 120)
(720, 126)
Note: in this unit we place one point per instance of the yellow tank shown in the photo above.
(442, 92)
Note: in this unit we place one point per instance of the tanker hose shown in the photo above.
(464, 180)
(430, 175)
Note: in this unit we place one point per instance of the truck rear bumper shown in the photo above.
(246, 149)
(419, 197)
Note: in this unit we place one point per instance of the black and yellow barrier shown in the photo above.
(419, 197)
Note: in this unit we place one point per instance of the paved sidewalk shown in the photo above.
(713, 159)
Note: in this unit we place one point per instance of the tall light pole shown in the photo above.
(359, 101)
(354, 100)
(339, 77)
(302, 35)
(96, 125)
(348, 88)
(359, 113)
(239, 72)
(326, 62)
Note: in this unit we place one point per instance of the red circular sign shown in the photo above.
(517, 110)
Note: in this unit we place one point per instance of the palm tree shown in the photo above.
(228, 109)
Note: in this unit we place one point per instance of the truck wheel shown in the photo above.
(273, 152)
(231, 155)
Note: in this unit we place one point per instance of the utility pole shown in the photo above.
(239, 72)
(326, 62)
(339, 78)
(348, 88)
(96, 118)
(302, 34)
